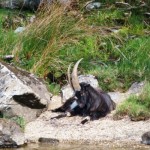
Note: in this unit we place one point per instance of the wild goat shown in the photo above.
(88, 101)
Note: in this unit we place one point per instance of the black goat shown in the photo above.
(95, 103)
(88, 101)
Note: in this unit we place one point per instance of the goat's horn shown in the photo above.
(68, 74)
(75, 81)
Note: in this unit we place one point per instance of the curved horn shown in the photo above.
(68, 74)
(75, 81)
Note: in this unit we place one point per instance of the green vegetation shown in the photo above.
(10, 20)
(136, 107)
(17, 119)
(115, 46)
(20, 121)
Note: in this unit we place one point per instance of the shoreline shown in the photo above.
(69, 130)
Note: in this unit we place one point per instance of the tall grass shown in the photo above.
(135, 66)
(57, 38)
(53, 41)
(7, 37)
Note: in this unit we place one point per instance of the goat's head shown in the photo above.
(80, 89)
(83, 94)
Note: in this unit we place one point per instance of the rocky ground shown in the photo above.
(67, 129)
(70, 129)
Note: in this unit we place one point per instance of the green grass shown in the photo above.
(135, 65)
(54, 88)
(136, 107)
(20, 121)
(56, 39)
(17, 119)
(8, 39)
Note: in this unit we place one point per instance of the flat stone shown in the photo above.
(11, 135)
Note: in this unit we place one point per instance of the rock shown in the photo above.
(32, 18)
(67, 92)
(91, 5)
(48, 140)
(21, 93)
(12, 4)
(118, 97)
(136, 88)
(7, 142)
(90, 79)
(31, 4)
(56, 101)
(11, 135)
(19, 29)
(146, 138)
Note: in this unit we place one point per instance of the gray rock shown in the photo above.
(56, 101)
(31, 4)
(91, 5)
(11, 135)
(67, 92)
(146, 138)
(21, 93)
(48, 140)
(136, 88)
(19, 29)
(12, 4)
(32, 18)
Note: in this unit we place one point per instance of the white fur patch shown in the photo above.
(74, 104)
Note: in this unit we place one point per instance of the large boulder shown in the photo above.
(11, 135)
(21, 93)
(146, 138)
